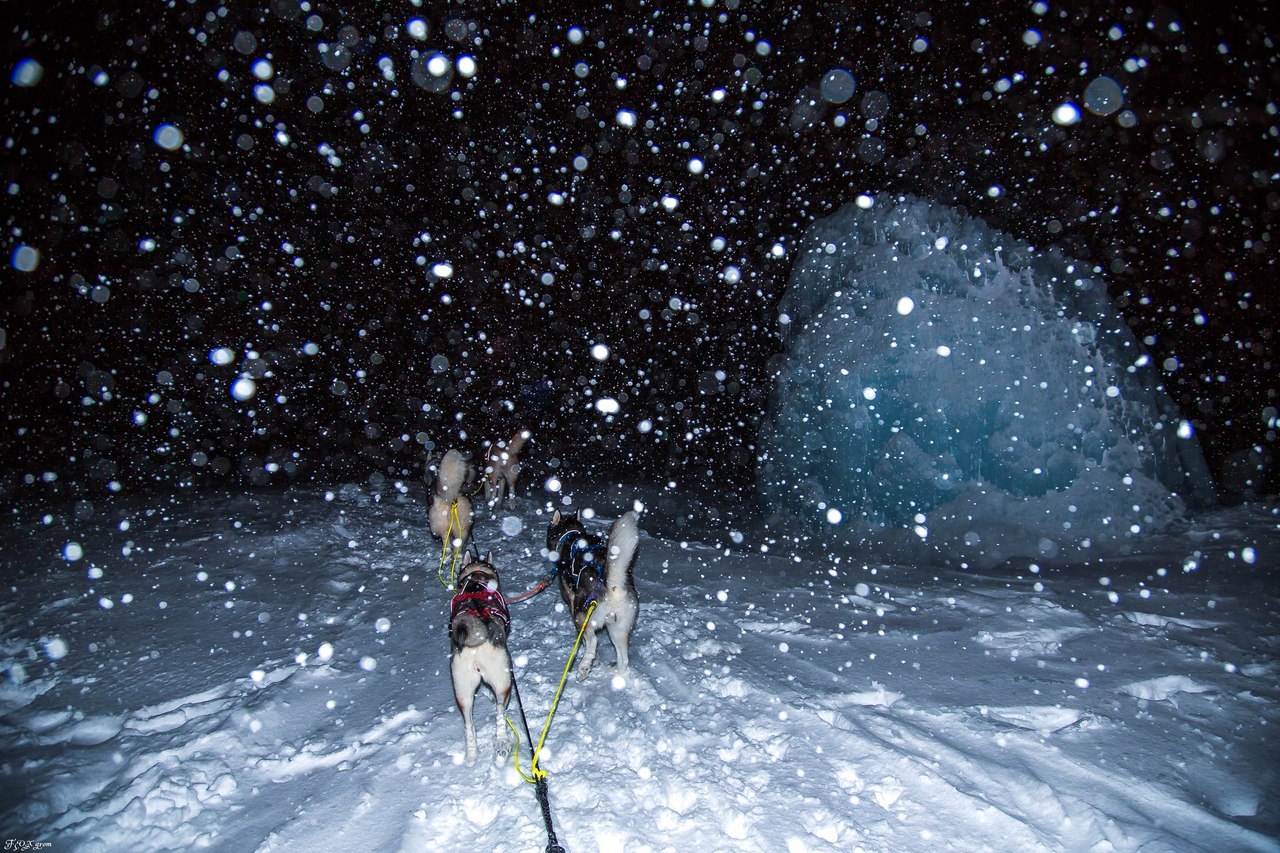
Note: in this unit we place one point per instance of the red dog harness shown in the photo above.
(476, 596)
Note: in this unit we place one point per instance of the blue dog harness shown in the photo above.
(581, 555)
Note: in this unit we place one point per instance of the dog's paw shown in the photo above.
(471, 757)
(505, 748)
(583, 672)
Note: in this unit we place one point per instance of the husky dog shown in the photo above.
(446, 497)
(591, 572)
(502, 468)
(478, 625)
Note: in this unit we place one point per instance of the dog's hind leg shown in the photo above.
(620, 636)
(588, 659)
(502, 697)
(466, 680)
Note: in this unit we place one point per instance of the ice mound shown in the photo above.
(944, 378)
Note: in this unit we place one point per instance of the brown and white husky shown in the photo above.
(478, 626)
(601, 573)
(502, 468)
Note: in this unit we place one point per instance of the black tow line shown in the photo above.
(540, 781)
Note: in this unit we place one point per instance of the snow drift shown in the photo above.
(945, 378)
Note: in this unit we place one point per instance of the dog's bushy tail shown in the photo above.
(624, 536)
(516, 444)
(431, 467)
(453, 473)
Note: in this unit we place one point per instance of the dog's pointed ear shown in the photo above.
(555, 517)
(577, 514)
(467, 559)
(488, 558)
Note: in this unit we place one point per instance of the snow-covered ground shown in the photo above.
(269, 672)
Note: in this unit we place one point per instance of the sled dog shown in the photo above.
(502, 468)
(591, 572)
(478, 625)
(450, 513)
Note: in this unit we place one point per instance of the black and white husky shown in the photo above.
(591, 572)
(478, 625)
(450, 513)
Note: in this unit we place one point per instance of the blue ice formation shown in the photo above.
(945, 378)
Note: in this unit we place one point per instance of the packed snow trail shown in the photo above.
(270, 672)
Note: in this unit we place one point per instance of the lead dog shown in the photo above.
(478, 626)
(591, 572)
(502, 468)
(450, 513)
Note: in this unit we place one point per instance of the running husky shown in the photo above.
(446, 497)
(590, 573)
(478, 625)
(502, 468)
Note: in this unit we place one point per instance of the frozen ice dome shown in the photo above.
(1001, 432)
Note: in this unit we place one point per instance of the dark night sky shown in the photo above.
(313, 195)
